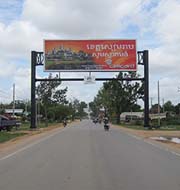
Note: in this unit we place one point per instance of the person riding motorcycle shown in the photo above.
(65, 122)
(106, 123)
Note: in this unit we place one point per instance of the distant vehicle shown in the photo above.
(99, 121)
(65, 122)
(106, 127)
(7, 123)
(95, 120)
(106, 124)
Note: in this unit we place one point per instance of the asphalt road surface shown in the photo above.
(85, 157)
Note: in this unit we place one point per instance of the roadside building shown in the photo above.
(131, 116)
(139, 116)
(16, 112)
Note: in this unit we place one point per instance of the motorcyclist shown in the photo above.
(65, 122)
(106, 122)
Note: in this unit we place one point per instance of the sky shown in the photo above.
(24, 24)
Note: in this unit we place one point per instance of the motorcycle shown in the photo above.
(95, 121)
(106, 124)
(64, 123)
(106, 127)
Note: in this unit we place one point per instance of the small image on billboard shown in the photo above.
(90, 55)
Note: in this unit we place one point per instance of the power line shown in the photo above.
(2, 91)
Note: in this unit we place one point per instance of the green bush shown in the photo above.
(138, 122)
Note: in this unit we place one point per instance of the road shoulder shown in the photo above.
(147, 134)
(32, 136)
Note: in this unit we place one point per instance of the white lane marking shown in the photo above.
(155, 145)
(136, 137)
(177, 154)
(31, 145)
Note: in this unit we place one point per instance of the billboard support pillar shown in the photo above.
(146, 88)
(33, 89)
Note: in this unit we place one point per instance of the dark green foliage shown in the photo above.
(118, 96)
(77, 109)
(59, 112)
(171, 121)
(46, 90)
(54, 105)
(168, 106)
(5, 136)
(50, 96)
(59, 96)
(177, 109)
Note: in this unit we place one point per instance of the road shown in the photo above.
(85, 157)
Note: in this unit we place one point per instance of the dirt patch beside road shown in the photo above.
(146, 134)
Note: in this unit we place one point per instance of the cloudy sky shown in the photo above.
(155, 24)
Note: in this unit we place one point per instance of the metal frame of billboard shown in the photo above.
(94, 70)
(37, 59)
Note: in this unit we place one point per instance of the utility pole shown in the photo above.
(163, 104)
(151, 103)
(13, 99)
(159, 122)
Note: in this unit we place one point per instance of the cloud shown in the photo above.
(79, 18)
(19, 38)
(81, 91)
(164, 60)
(168, 90)
(10, 10)
(166, 21)
(163, 27)
(22, 80)
(7, 68)
(155, 22)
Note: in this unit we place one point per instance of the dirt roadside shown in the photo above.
(30, 137)
(146, 134)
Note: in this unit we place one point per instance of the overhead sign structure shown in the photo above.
(89, 80)
(37, 59)
(90, 55)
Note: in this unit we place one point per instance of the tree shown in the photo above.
(94, 109)
(81, 112)
(58, 112)
(21, 104)
(154, 109)
(118, 96)
(77, 109)
(59, 96)
(168, 106)
(49, 95)
(136, 108)
(177, 109)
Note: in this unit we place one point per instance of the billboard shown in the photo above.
(90, 55)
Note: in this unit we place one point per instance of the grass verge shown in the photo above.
(6, 136)
(130, 126)
(162, 128)
(26, 126)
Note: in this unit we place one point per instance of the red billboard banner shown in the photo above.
(90, 55)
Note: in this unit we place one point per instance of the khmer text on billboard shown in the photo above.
(90, 55)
